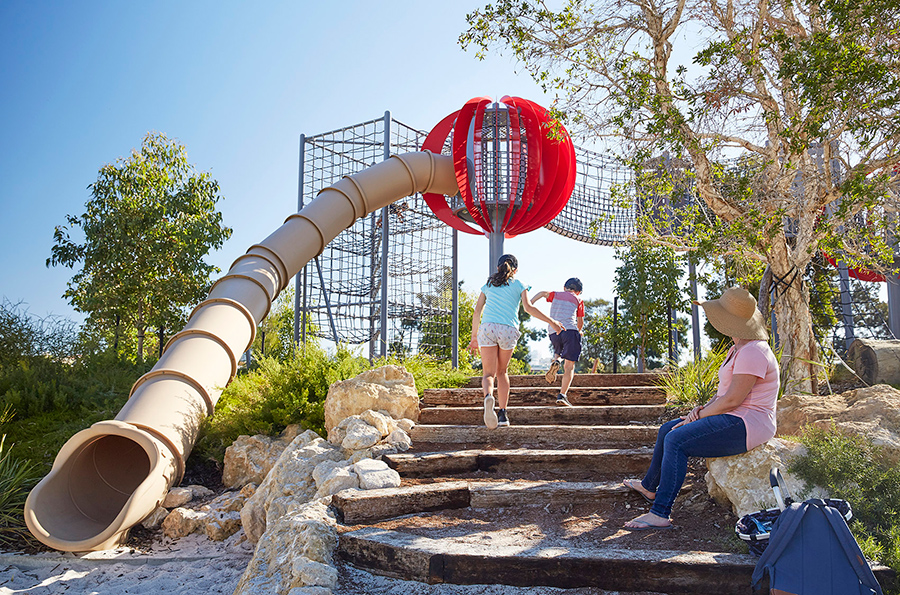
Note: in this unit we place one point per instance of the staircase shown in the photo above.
(539, 502)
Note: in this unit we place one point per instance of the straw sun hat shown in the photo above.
(735, 315)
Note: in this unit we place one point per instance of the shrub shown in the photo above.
(16, 479)
(852, 468)
(696, 382)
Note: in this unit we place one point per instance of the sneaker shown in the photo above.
(550, 376)
(502, 420)
(562, 401)
(490, 416)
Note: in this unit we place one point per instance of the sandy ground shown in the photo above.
(197, 566)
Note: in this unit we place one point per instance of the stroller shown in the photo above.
(756, 528)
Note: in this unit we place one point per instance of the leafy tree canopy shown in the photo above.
(149, 223)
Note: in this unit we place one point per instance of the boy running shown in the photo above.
(568, 310)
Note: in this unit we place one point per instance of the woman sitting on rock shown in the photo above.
(741, 416)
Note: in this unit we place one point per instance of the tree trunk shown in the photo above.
(800, 366)
(876, 361)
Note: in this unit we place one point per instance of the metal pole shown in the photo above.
(385, 236)
(893, 298)
(327, 302)
(299, 286)
(454, 330)
(495, 250)
(615, 356)
(846, 303)
(695, 309)
(671, 347)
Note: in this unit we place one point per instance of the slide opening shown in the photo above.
(93, 489)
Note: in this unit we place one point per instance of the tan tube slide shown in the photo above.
(110, 476)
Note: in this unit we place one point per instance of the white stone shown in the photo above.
(383, 423)
(360, 436)
(375, 474)
(177, 497)
(250, 458)
(375, 452)
(406, 424)
(199, 492)
(742, 481)
(155, 518)
(288, 484)
(181, 522)
(310, 591)
(400, 440)
(390, 389)
(221, 525)
(314, 574)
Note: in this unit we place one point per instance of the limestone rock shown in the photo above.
(307, 532)
(250, 458)
(873, 412)
(360, 436)
(742, 481)
(199, 492)
(385, 424)
(222, 524)
(289, 484)
(389, 389)
(375, 452)
(332, 477)
(155, 518)
(400, 440)
(177, 497)
(314, 574)
(375, 474)
(406, 424)
(310, 591)
(181, 522)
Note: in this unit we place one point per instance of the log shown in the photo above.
(876, 361)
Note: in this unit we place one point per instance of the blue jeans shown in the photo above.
(715, 436)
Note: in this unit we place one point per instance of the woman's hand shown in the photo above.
(473, 345)
(693, 415)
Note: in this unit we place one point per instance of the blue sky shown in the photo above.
(237, 84)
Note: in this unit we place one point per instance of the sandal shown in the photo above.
(630, 484)
(645, 526)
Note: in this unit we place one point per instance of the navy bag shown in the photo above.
(812, 552)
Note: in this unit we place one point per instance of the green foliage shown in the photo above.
(646, 282)
(852, 468)
(275, 334)
(696, 382)
(16, 479)
(149, 224)
(596, 337)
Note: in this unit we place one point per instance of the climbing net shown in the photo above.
(341, 290)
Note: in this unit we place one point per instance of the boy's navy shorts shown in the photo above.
(567, 344)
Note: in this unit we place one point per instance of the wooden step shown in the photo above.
(544, 435)
(595, 380)
(544, 396)
(522, 460)
(551, 415)
(368, 506)
(419, 558)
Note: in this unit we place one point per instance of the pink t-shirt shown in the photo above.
(758, 409)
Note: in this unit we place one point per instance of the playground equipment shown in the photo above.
(112, 475)
(514, 164)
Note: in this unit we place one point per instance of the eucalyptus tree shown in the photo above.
(806, 91)
(149, 224)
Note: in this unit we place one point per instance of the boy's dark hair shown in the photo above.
(574, 284)
(506, 266)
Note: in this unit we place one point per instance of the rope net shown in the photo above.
(342, 288)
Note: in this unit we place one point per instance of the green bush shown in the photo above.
(696, 382)
(16, 479)
(852, 468)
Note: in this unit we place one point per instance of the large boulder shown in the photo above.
(873, 412)
(741, 482)
(388, 389)
(250, 458)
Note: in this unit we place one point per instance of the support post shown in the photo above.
(385, 238)
(893, 300)
(454, 325)
(300, 277)
(671, 330)
(615, 354)
(695, 309)
(846, 303)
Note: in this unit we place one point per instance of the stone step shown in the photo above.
(543, 435)
(522, 460)
(419, 558)
(543, 396)
(561, 416)
(369, 506)
(595, 380)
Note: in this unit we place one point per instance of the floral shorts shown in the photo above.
(502, 335)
